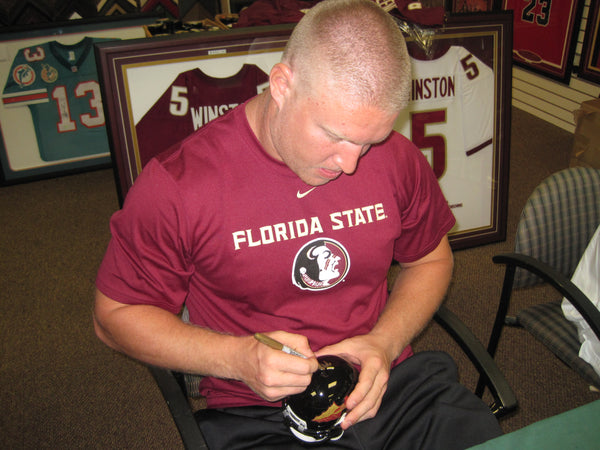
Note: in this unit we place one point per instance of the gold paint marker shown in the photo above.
(264, 339)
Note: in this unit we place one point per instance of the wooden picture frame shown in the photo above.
(47, 128)
(589, 65)
(135, 73)
(545, 35)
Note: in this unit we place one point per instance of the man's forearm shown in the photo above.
(155, 336)
(416, 295)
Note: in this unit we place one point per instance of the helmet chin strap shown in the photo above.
(304, 437)
(331, 433)
(307, 438)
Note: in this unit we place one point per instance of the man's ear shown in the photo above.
(280, 83)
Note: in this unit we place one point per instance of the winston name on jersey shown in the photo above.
(450, 117)
(59, 84)
(190, 102)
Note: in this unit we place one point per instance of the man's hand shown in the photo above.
(416, 294)
(274, 374)
(365, 400)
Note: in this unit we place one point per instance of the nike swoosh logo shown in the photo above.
(304, 194)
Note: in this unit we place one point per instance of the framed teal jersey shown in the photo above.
(52, 116)
(59, 84)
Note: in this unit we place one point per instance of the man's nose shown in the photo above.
(347, 156)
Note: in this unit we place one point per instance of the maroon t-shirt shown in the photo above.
(237, 236)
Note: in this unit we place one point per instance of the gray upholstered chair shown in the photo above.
(556, 225)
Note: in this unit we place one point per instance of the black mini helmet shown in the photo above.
(315, 414)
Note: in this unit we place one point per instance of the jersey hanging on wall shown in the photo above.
(450, 117)
(544, 33)
(191, 101)
(59, 84)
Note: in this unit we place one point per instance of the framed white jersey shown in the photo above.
(458, 114)
(450, 117)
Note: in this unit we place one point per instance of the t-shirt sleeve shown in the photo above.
(146, 261)
(425, 215)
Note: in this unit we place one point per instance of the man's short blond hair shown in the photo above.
(352, 46)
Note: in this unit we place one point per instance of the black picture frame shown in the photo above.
(134, 73)
(589, 65)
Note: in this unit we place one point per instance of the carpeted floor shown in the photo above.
(61, 388)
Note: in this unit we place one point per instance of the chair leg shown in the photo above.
(509, 277)
(180, 409)
(504, 397)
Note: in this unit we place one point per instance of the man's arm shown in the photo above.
(155, 336)
(415, 297)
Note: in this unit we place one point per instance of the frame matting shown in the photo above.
(135, 73)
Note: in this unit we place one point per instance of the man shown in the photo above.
(226, 221)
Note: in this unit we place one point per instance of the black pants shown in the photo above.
(424, 407)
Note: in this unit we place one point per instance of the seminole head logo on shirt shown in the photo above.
(320, 264)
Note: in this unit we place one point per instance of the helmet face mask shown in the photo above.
(315, 415)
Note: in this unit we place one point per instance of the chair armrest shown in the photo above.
(560, 282)
(505, 400)
(180, 408)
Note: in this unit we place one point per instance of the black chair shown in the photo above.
(179, 389)
(556, 225)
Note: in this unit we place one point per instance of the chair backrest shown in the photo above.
(558, 221)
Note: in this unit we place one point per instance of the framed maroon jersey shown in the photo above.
(191, 101)
(544, 37)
